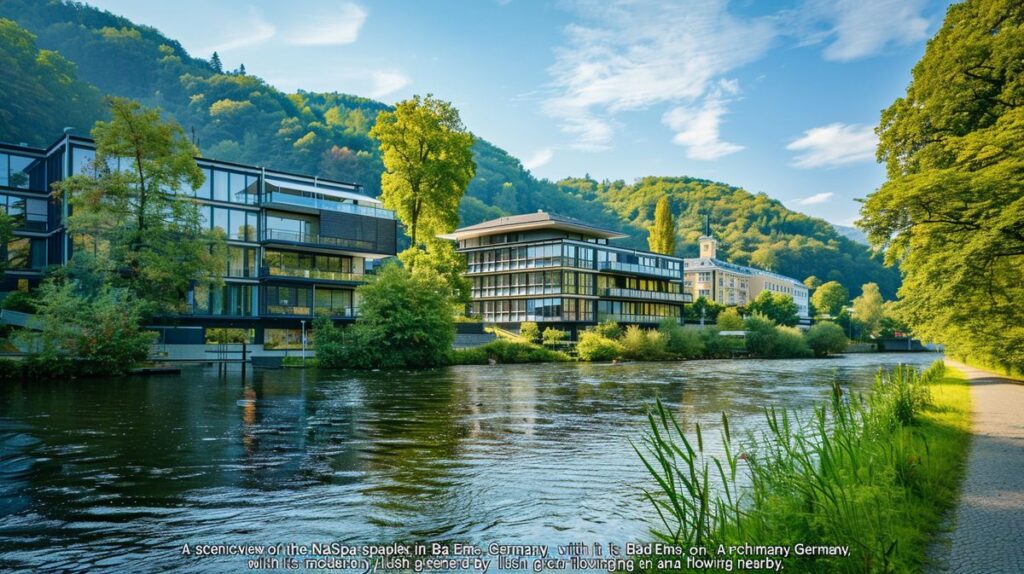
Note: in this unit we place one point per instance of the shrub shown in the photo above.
(505, 351)
(405, 321)
(19, 301)
(609, 330)
(329, 343)
(681, 342)
(642, 345)
(730, 320)
(789, 343)
(593, 346)
(761, 335)
(529, 332)
(552, 337)
(826, 338)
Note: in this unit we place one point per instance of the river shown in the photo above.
(116, 475)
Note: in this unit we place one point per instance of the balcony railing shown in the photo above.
(647, 295)
(620, 318)
(296, 237)
(347, 312)
(638, 269)
(312, 274)
(328, 205)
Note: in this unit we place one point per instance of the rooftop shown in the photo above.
(529, 222)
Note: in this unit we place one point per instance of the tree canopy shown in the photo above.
(951, 212)
(662, 235)
(830, 298)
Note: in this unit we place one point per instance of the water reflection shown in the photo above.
(113, 475)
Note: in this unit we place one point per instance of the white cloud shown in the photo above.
(833, 145)
(633, 54)
(697, 127)
(815, 199)
(254, 32)
(857, 29)
(539, 158)
(338, 27)
(387, 82)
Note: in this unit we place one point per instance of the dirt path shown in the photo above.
(989, 530)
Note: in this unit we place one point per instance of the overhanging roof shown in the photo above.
(307, 188)
(530, 222)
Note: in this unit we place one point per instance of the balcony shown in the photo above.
(616, 292)
(635, 269)
(296, 273)
(645, 319)
(305, 311)
(323, 204)
(273, 235)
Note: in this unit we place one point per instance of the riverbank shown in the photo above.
(987, 534)
(873, 475)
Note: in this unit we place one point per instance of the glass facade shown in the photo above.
(22, 172)
(27, 213)
(26, 253)
(311, 265)
(230, 299)
(548, 309)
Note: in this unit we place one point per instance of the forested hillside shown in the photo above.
(78, 53)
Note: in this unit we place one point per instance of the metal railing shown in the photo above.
(312, 274)
(648, 295)
(296, 237)
(621, 318)
(328, 205)
(638, 269)
(347, 312)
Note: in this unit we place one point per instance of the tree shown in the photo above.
(241, 69)
(404, 321)
(730, 320)
(215, 63)
(97, 329)
(529, 331)
(826, 338)
(868, 309)
(950, 212)
(662, 235)
(553, 337)
(428, 163)
(134, 214)
(703, 309)
(777, 307)
(812, 282)
(830, 298)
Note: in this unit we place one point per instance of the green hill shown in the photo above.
(80, 52)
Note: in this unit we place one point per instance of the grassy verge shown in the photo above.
(505, 351)
(875, 474)
(1004, 370)
(299, 362)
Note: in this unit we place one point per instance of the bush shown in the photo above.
(730, 320)
(642, 345)
(789, 343)
(328, 342)
(97, 334)
(718, 347)
(609, 330)
(761, 335)
(826, 338)
(553, 337)
(505, 351)
(405, 321)
(593, 346)
(681, 342)
(529, 332)
(19, 301)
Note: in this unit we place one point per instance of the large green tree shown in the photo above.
(869, 309)
(830, 298)
(951, 212)
(133, 213)
(662, 235)
(428, 162)
(778, 307)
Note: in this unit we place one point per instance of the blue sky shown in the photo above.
(779, 97)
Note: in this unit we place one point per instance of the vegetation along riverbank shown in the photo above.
(872, 473)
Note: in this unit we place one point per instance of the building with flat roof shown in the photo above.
(298, 245)
(562, 272)
(731, 284)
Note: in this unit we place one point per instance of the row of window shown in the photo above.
(241, 300)
(546, 309)
(635, 311)
(638, 284)
(236, 224)
(530, 257)
(534, 283)
(28, 213)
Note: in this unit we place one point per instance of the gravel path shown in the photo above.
(988, 536)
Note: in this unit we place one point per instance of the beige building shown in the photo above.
(731, 284)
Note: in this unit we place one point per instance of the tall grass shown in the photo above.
(874, 473)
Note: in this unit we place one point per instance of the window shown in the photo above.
(204, 189)
(241, 261)
(283, 338)
(220, 185)
(26, 253)
(288, 300)
(338, 302)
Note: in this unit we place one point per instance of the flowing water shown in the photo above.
(116, 475)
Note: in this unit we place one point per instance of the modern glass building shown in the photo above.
(298, 245)
(564, 273)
